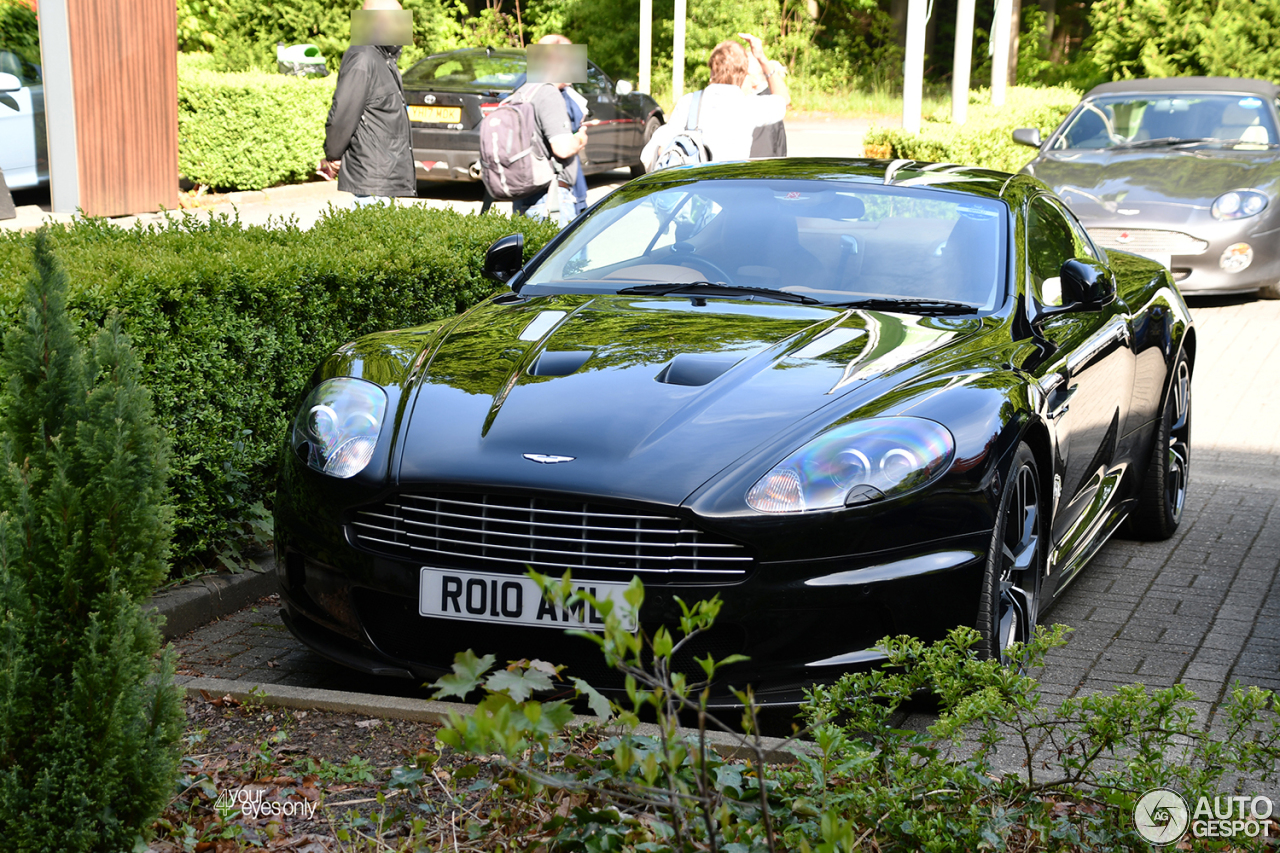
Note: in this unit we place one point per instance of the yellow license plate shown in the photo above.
(435, 115)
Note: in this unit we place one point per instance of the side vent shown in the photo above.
(559, 363)
(695, 369)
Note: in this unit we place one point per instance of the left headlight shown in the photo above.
(337, 427)
(856, 463)
(1238, 204)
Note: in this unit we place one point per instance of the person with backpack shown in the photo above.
(717, 123)
(527, 148)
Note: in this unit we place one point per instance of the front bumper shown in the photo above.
(800, 622)
(1201, 273)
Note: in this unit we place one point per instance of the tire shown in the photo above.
(1270, 291)
(1009, 604)
(650, 128)
(1164, 486)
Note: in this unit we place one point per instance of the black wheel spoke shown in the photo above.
(1020, 561)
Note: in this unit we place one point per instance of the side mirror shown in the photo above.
(623, 87)
(504, 258)
(1086, 286)
(1028, 136)
(9, 82)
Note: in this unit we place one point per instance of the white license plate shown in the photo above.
(512, 600)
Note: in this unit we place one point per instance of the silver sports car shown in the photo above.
(1184, 170)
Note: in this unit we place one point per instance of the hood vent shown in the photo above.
(551, 363)
(695, 369)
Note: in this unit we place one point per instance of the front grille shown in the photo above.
(1148, 240)
(511, 533)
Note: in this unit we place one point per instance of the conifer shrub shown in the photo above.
(229, 321)
(89, 715)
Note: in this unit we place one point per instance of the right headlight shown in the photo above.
(856, 463)
(1238, 204)
(336, 429)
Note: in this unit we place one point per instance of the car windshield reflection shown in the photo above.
(830, 242)
(1146, 121)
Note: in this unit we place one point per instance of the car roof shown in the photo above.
(1233, 85)
(945, 176)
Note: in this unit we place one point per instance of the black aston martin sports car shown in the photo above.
(448, 93)
(1185, 170)
(852, 398)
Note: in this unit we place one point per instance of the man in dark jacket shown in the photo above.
(367, 141)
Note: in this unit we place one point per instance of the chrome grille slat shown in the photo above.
(1149, 240)
(522, 563)
(438, 526)
(542, 524)
(508, 533)
(543, 511)
(583, 554)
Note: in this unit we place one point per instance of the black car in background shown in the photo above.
(1183, 170)
(851, 398)
(449, 93)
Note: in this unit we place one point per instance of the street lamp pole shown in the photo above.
(646, 44)
(677, 53)
(913, 67)
(963, 62)
(1000, 51)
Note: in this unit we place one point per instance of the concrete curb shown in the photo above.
(195, 604)
(429, 711)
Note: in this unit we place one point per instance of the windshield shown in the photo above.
(1130, 121)
(478, 70)
(829, 242)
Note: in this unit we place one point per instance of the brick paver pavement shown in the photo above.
(1202, 608)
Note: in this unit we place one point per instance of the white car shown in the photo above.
(24, 151)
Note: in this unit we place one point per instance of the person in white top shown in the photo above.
(729, 116)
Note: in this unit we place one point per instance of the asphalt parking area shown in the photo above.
(1202, 609)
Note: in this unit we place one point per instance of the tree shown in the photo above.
(89, 716)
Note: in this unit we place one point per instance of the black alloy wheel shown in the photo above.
(1008, 609)
(1164, 486)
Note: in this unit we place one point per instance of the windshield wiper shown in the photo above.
(1164, 141)
(718, 288)
(912, 306)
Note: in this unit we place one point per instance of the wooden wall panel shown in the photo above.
(124, 67)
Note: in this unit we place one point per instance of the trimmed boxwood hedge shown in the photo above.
(229, 321)
(250, 130)
(985, 139)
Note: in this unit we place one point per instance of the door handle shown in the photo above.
(1063, 404)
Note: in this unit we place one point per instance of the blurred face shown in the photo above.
(557, 63)
(382, 27)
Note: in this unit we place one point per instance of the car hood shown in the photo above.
(648, 397)
(1164, 186)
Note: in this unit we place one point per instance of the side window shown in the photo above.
(1084, 246)
(597, 84)
(1050, 243)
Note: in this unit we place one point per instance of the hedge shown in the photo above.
(229, 321)
(249, 130)
(985, 139)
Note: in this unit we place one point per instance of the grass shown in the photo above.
(875, 102)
